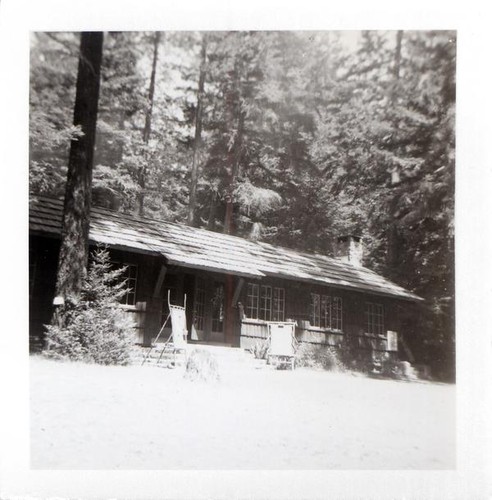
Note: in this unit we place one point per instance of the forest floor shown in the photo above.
(98, 417)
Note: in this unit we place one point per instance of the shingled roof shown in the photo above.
(201, 249)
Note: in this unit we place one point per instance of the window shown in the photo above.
(199, 309)
(218, 308)
(130, 275)
(278, 304)
(252, 300)
(374, 318)
(265, 302)
(326, 311)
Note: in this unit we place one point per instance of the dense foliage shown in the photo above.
(95, 327)
(287, 137)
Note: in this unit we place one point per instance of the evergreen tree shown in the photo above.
(96, 328)
(291, 138)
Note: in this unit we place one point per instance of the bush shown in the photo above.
(94, 328)
(201, 365)
(260, 349)
(318, 356)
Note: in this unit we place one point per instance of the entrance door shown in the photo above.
(208, 312)
(217, 313)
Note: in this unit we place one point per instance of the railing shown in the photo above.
(319, 336)
(253, 331)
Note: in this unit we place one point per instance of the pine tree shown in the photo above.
(96, 329)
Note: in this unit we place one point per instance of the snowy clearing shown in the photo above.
(97, 417)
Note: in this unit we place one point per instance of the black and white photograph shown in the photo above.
(240, 256)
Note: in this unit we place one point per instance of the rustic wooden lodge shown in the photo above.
(233, 286)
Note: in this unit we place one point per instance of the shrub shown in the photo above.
(94, 328)
(260, 349)
(318, 356)
(201, 365)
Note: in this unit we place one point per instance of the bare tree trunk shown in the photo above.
(74, 249)
(212, 211)
(142, 173)
(235, 152)
(235, 160)
(198, 132)
(394, 237)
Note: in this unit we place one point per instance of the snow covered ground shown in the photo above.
(96, 417)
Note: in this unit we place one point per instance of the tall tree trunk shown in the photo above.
(72, 263)
(212, 211)
(198, 131)
(235, 151)
(394, 237)
(142, 173)
(234, 162)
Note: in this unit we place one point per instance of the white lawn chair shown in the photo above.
(178, 338)
(282, 344)
(179, 333)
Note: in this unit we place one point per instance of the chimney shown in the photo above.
(349, 248)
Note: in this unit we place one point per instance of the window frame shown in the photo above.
(131, 282)
(326, 312)
(374, 318)
(253, 305)
(265, 302)
(217, 312)
(278, 304)
(199, 307)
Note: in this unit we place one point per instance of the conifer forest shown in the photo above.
(287, 137)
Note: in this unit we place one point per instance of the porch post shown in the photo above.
(228, 309)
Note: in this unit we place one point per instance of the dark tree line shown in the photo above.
(286, 137)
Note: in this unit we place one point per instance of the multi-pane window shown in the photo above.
(218, 308)
(326, 311)
(130, 277)
(278, 310)
(252, 300)
(199, 308)
(374, 318)
(265, 302)
(336, 314)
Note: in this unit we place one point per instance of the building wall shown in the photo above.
(150, 304)
(298, 309)
(145, 312)
(43, 262)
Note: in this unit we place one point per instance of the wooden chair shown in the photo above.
(282, 344)
(178, 338)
